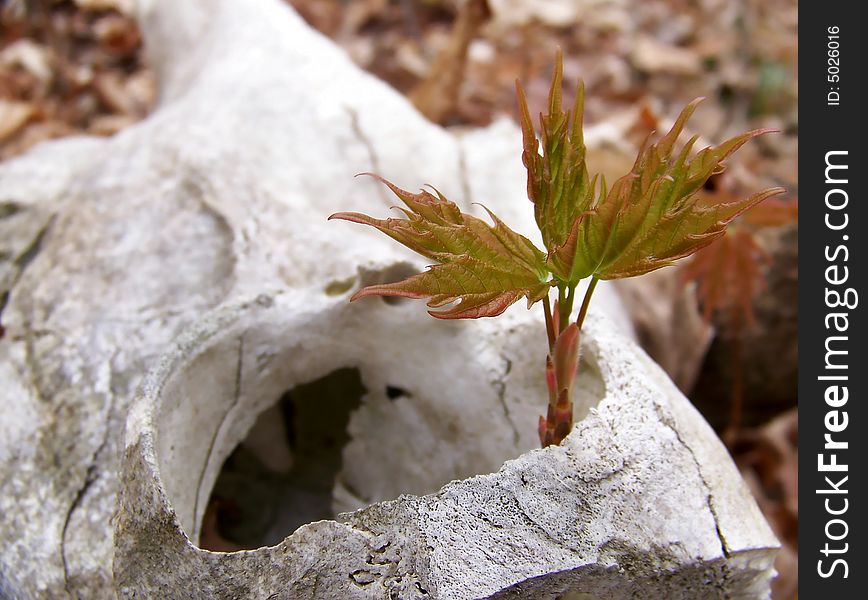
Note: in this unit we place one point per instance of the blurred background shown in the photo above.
(724, 324)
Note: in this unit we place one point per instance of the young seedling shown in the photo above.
(647, 219)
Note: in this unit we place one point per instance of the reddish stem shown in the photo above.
(550, 329)
(586, 301)
(561, 366)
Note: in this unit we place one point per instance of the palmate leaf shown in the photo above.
(649, 218)
(482, 268)
(727, 273)
(652, 216)
(558, 183)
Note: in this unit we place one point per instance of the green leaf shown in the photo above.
(557, 180)
(652, 216)
(483, 268)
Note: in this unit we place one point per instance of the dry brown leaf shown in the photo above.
(33, 134)
(13, 116)
(436, 96)
(652, 56)
(123, 95)
(126, 7)
(34, 58)
(773, 213)
(117, 33)
(357, 14)
(727, 274)
(110, 124)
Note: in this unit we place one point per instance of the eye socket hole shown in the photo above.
(283, 474)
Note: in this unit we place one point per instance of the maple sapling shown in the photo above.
(646, 220)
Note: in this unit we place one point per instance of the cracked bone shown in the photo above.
(641, 499)
(111, 248)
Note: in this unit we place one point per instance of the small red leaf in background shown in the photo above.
(728, 272)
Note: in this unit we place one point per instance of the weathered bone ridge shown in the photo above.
(641, 498)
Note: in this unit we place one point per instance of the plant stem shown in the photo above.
(565, 304)
(586, 301)
(550, 326)
(562, 301)
(562, 359)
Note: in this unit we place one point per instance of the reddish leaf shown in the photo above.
(727, 273)
(557, 180)
(773, 213)
(483, 268)
(652, 216)
(648, 219)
